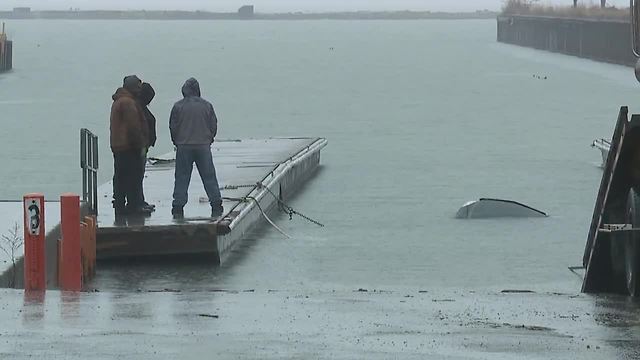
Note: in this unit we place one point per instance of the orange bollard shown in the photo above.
(71, 263)
(35, 277)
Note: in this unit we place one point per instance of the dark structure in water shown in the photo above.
(612, 253)
(246, 12)
(6, 52)
(596, 39)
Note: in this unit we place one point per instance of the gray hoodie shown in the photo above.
(193, 120)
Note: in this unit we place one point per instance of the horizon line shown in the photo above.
(256, 12)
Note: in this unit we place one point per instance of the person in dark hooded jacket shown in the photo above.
(194, 125)
(145, 97)
(128, 138)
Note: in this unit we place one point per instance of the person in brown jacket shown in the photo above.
(129, 140)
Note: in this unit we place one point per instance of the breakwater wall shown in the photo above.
(6, 55)
(596, 39)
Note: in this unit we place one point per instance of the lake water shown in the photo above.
(421, 116)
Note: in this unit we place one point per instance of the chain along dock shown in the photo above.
(255, 177)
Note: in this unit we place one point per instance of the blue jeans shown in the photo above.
(186, 155)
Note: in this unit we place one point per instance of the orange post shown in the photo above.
(71, 263)
(34, 243)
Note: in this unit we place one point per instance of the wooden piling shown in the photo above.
(6, 51)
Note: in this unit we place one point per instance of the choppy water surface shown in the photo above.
(421, 117)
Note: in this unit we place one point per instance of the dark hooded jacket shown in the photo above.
(127, 128)
(146, 96)
(193, 120)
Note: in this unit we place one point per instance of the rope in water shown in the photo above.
(290, 211)
(286, 208)
(246, 198)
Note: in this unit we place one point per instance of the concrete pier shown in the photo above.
(280, 165)
(596, 39)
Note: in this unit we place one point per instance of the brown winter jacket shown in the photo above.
(129, 128)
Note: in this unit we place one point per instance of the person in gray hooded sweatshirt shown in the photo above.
(194, 125)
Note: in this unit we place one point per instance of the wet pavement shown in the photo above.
(358, 323)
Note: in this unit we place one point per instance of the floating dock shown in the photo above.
(254, 177)
(6, 52)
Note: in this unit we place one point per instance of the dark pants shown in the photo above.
(186, 155)
(126, 179)
(141, 179)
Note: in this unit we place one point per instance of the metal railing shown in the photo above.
(89, 166)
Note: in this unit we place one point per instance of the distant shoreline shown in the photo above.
(523, 8)
(205, 15)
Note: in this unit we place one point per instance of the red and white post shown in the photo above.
(70, 260)
(34, 243)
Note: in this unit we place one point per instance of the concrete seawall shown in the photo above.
(596, 39)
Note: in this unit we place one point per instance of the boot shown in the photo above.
(119, 208)
(139, 210)
(149, 207)
(153, 206)
(177, 212)
(121, 212)
(217, 210)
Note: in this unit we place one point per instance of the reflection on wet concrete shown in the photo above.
(34, 302)
(185, 273)
(361, 323)
(70, 305)
(181, 273)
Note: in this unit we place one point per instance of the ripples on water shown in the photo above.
(421, 116)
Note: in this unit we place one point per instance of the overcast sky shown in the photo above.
(277, 5)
